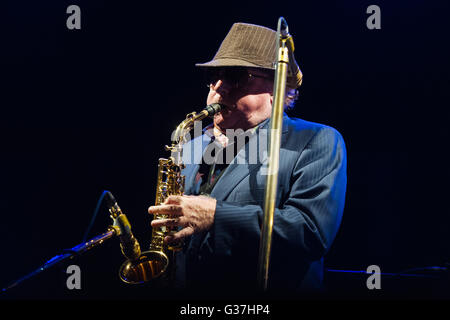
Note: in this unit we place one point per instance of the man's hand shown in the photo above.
(192, 213)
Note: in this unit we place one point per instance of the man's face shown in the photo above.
(246, 93)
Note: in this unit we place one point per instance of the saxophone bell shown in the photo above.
(149, 266)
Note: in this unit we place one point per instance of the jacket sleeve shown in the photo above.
(307, 220)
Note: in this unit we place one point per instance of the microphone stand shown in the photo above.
(69, 254)
(279, 91)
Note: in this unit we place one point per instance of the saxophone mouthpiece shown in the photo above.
(213, 108)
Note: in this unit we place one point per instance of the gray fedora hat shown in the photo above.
(249, 45)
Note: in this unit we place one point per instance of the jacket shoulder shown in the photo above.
(301, 133)
(299, 126)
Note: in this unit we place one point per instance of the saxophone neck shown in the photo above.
(179, 136)
(187, 124)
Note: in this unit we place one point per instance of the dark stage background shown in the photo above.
(87, 110)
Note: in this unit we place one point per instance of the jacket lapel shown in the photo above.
(192, 157)
(242, 166)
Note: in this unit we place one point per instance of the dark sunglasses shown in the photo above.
(235, 77)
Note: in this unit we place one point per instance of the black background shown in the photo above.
(86, 110)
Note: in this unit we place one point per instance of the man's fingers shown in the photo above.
(186, 232)
(173, 200)
(167, 222)
(170, 209)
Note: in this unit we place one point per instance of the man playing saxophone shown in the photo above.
(219, 216)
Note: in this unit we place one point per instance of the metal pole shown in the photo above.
(69, 254)
(276, 123)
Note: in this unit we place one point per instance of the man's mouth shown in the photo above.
(228, 108)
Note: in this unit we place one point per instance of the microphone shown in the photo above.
(128, 244)
(293, 65)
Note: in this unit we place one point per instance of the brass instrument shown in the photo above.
(159, 261)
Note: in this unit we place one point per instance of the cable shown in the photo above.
(405, 273)
(430, 268)
(99, 202)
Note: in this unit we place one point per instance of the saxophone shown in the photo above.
(159, 261)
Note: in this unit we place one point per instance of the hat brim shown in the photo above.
(230, 62)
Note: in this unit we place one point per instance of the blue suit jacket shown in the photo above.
(309, 207)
